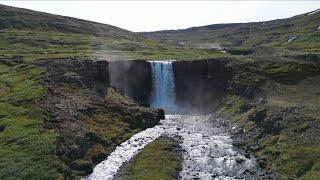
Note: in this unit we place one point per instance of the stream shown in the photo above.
(208, 150)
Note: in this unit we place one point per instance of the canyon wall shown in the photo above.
(197, 83)
(132, 78)
(200, 85)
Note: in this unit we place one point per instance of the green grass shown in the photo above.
(290, 71)
(274, 33)
(26, 151)
(114, 129)
(33, 45)
(291, 152)
(158, 160)
(286, 153)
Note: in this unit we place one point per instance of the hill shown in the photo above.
(298, 33)
(36, 35)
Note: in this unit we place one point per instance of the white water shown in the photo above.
(209, 153)
(163, 86)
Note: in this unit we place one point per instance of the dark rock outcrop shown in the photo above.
(102, 70)
(133, 78)
(200, 83)
(2, 128)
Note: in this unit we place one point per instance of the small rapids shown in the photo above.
(208, 150)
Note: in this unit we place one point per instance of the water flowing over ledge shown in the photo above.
(163, 86)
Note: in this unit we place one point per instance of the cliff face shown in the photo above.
(89, 117)
(132, 78)
(200, 84)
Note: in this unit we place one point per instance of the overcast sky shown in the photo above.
(160, 15)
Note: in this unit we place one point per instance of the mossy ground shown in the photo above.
(287, 134)
(161, 159)
(114, 122)
(26, 150)
(43, 137)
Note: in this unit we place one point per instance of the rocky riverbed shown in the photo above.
(208, 151)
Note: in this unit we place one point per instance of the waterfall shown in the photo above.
(163, 90)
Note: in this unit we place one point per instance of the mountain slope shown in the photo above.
(36, 35)
(299, 33)
(18, 18)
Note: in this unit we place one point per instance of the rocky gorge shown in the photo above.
(235, 89)
(87, 104)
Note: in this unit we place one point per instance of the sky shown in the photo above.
(160, 15)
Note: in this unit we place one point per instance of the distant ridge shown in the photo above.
(305, 27)
(19, 18)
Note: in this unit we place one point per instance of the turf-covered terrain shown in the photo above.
(299, 33)
(35, 35)
(161, 159)
(58, 118)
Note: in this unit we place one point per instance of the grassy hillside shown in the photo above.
(279, 122)
(36, 35)
(25, 144)
(303, 30)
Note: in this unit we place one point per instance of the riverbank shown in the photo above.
(279, 123)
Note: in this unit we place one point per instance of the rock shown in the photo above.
(160, 113)
(102, 71)
(239, 160)
(82, 165)
(246, 171)
(258, 116)
(2, 127)
(194, 78)
(254, 148)
(214, 176)
(247, 155)
(132, 78)
(262, 162)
